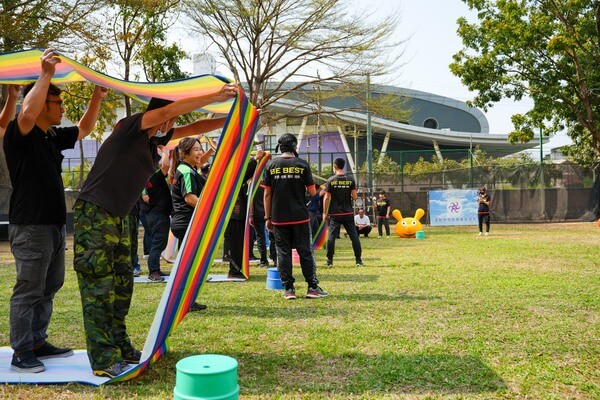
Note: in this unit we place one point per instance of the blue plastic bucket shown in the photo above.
(273, 280)
(206, 377)
(420, 235)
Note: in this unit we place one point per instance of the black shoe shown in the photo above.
(236, 275)
(132, 357)
(164, 273)
(226, 258)
(26, 362)
(197, 307)
(49, 351)
(329, 264)
(264, 264)
(253, 258)
(112, 371)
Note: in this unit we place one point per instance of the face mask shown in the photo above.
(160, 134)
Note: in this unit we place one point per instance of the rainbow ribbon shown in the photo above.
(256, 178)
(320, 236)
(208, 222)
(22, 67)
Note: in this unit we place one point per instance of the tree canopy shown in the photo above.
(548, 50)
(279, 47)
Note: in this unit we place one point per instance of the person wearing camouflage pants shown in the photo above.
(103, 266)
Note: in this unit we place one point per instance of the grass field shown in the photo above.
(511, 316)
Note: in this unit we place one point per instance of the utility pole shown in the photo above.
(369, 138)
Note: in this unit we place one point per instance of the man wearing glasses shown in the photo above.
(37, 213)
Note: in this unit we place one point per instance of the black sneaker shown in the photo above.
(164, 273)
(26, 362)
(155, 277)
(132, 357)
(290, 294)
(263, 264)
(236, 275)
(360, 264)
(112, 371)
(197, 307)
(329, 264)
(316, 292)
(49, 351)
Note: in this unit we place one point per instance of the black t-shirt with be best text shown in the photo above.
(340, 187)
(288, 177)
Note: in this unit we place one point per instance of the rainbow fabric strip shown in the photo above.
(22, 67)
(256, 178)
(206, 227)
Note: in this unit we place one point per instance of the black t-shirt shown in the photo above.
(125, 162)
(186, 181)
(241, 201)
(484, 208)
(340, 188)
(34, 163)
(288, 177)
(382, 207)
(159, 193)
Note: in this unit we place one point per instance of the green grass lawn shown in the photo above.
(512, 315)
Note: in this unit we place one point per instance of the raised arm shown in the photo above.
(8, 112)
(87, 122)
(158, 116)
(35, 100)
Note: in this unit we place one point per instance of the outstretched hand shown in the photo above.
(228, 91)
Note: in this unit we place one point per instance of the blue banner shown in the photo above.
(453, 207)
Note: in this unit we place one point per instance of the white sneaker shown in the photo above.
(487, 234)
(479, 234)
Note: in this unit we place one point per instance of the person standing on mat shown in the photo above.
(124, 164)
(287, 179)
(37, 214)
(237, 222)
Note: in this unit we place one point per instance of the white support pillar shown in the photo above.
(351, 163)
(301, 131)
(384, 147)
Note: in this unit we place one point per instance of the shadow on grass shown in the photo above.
(353, 373)
(348, 278)
(401, 296)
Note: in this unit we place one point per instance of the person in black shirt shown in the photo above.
(287, 179)
(158, 216)
(383, 214)
(483, 213)
(125, 162)
(340, 191)
(37, 214)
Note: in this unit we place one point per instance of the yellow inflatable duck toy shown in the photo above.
(408, 227)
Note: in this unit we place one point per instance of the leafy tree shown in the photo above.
(546, 49)
(76, 99)
(385, 170)
(131, 24)
(281, 47)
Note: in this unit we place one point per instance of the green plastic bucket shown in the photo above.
(420, 235)
(206, 377)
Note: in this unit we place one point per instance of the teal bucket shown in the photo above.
(207, 377)
(273, 279)
(420, 235)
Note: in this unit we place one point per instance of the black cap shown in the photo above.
(287, 142)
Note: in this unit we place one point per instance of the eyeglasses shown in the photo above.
(59, 102)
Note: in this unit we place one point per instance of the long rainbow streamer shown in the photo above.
(256, 178)
(321, 235)
(22, 67)
(206, 227)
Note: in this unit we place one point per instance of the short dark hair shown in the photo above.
(156, 102)
(53, 90)
(339, 162)
(381, 191)
(286, 142)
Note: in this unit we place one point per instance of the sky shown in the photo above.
(429, 30)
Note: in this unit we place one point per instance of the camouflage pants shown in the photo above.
(103, 265)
